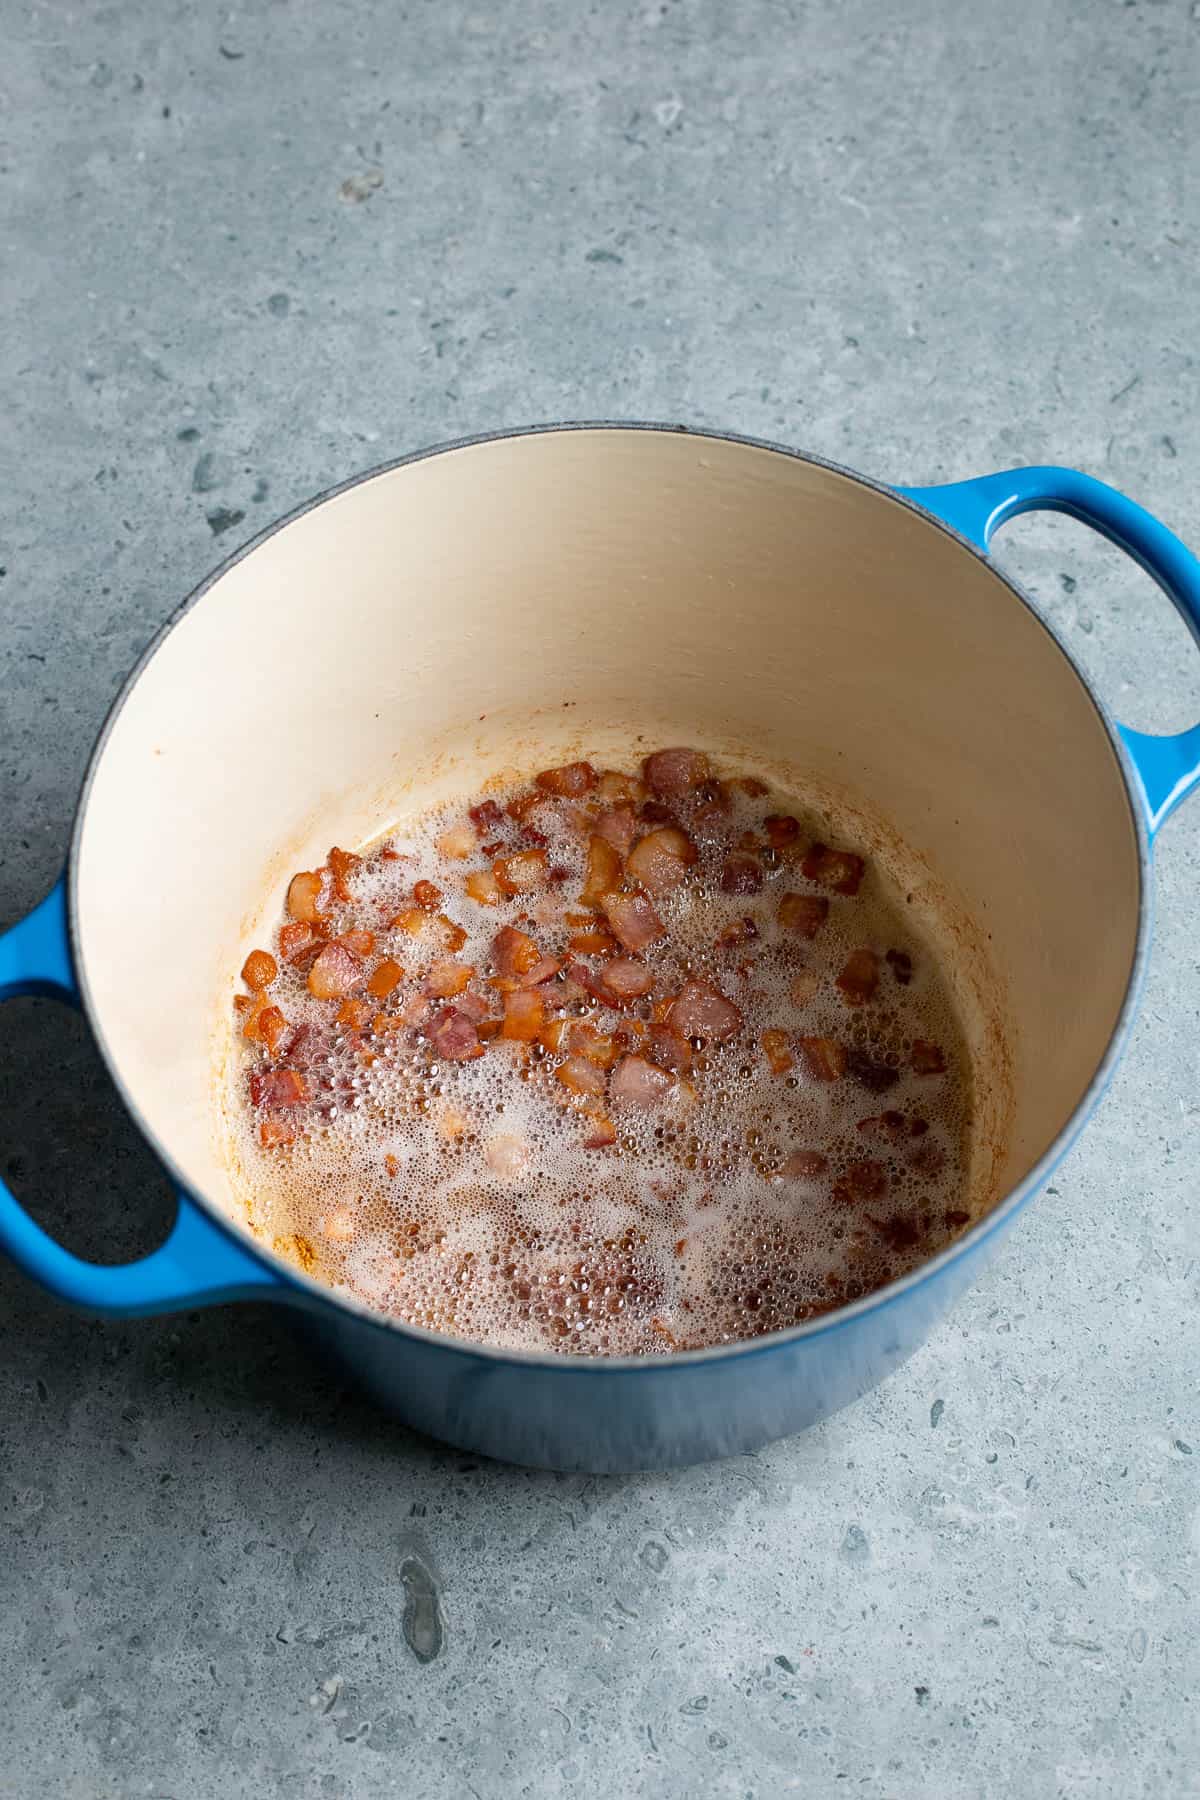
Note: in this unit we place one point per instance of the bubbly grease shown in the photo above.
(462, 1196)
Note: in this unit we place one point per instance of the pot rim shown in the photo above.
(880, 1299)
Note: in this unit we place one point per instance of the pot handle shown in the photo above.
(198, 1265)
(1168, 768)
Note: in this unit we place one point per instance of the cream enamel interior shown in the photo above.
(496, 604)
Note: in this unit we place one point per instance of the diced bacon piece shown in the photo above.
(485, 817)
(751, 785)
(655, 813)
(277, 1087)
(385, 978)
(603, 872)
(542, 971)
(927, 1159)
(304, 891)
(454, 1037)
(712, 802)
(663, 1330)
(602, 1135)
(259, 970)
(627, 979)
(456, 843)
(899, 1232)
(777, 1051)
(272, 1028)
(636, 1082)
(876, 1077)
(524, 1015)
(354, 1015)
(580, 1078)
(390, 854)
(737, 932)
(597, 1046)
(702, 1011)
(446, 978)
(860, 977)
(417, 1010)
(521, 805)
(861, 1181)
(888, 1127)
(927, 1058)
(634, 922)
(840, 870)
(671, 772)
(453, 936)
(660, 861)
(803, 1165)
(298, 942)
(342, 864)
(618, 827)
(361, 942)
(521, 872)
(901, 966)
(593, 943)
(613, 787)
(571, 780)
(427, 896)
(668, 1049)
(506, 1155)
(336, 973)
(275, 1133)
(781, 829)
(803, 913)
(473, 1005)
(741, 874)
(824, 1059)
(412, 921)
(955, 1218)
(482, 887)
(804, 987)
(298, 1049)
(514, 952)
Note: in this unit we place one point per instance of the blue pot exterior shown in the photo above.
(608, 1415)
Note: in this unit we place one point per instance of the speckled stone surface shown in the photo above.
(249, 252)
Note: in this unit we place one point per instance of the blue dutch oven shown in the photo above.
(567, 587)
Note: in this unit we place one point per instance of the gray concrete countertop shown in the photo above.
(249, 252)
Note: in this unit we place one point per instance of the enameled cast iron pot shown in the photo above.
(407, 626)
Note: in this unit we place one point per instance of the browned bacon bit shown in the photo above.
(482, 887)
(387, 854)
(602, 1135)
(521, 872)
(618, 827)
(412, 921)
(664, 1331)
(298, 942)
(633, 920)
(492, 849)
(712, 801)
(777, 1052)
(524, 1015)
(341, 864)
(702, 1011)
(860, 977)
(515, 953)
(474, 1006)
(955, 1218)
(275, 1133)
(361, 942)
(675, 771)
(804, 1165)
(901, 966)
(927, 1159)
(530, 835)
(259, 970)
(636, 1082)
(271, 1028)
(580, 1077)
(668, 1049)
(660, 861)
(751, 785)
(427, 896)
(865, 1180)
(485, 817)
(626, 979)
(521, 805)
(613, 787)
(804, 987)
(890, 1126)
(297, 1050)
(803, 913)
(303, 893)
(876, 1077)
(603, 871)
(385, 978)
(353, 1015)
(840, 870)
(741, 874)
(927, 1058)
(573, 779)
(824, 1059)
(277, 1087)
(447, 978)
(391, 1164)
(597, 942)
(653, 812)
(900, 1232)
(336, 972)
(738, 931)
(781, 829)
(453, 1035)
